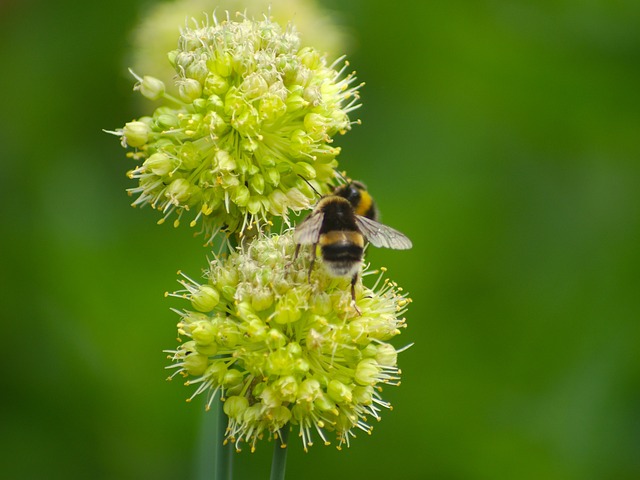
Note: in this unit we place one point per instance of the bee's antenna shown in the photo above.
(343, 177)
(309, 183)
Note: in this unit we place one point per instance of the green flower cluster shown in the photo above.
(158, 29)
(254, 114)
(246, 136)
(284, 348)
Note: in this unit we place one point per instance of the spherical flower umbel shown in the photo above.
(156, 33)
(255, 113)
(285, 349)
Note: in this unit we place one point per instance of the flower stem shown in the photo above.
(205, 461)
(218, 466)
(215, 425)
(279, 460)
(224, 453)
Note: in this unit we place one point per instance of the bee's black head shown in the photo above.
(359, 198)
(352, 191)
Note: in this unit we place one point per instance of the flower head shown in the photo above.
(255, 113)
(156, 34)
(285, 348)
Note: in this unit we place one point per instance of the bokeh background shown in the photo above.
(502, 136)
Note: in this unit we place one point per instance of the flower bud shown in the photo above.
(245, 311)
(227, 335)
(255, 205)
(136, 133)
(339, 392)
(254, 86)
(235, 406)
(301, 411)
(151, 87)
(222, 63)
(276, 339)
(363, 395)
(166, 121)
(322, 304)
(189, 89)
(232, 377)
(324, 403)
(215, 85)
(301, 365)
(310, 58)
(241, 195)
(271, 397)
(262, 299)
(189, 155)
(178, 191)
(305, 170)
(316, 125)
(159, 163)
(278, 202)
(257, 183)
(367, 372)
(297, 199)
(294, 349)
(198, 71)
(205, 298)
(216, 371)
(203, 333)
(309, 390)
(272, 176)
(386, 355)
(280, 363)
(287, 387)
(195, 364)
(208, 350)
(287, 310)
(257, 330)
(280, 416)
(312, 95)
(271, 107)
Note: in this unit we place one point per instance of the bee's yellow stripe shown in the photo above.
(341, 237)
(365, 203)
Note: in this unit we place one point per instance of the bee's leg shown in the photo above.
(313, 260)
(354, 279)
(295, 256)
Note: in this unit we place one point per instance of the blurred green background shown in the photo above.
(502, 136)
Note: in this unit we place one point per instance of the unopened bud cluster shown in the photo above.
(284, 348)
(254, 118)
(156, 33)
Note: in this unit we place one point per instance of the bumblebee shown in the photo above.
(341, 223)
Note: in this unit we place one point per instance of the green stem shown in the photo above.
(279, 460)
(219, 463)
(216, 464)
(224, 453)
(205, 461)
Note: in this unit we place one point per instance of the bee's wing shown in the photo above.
(307, 232)
(380, 235)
